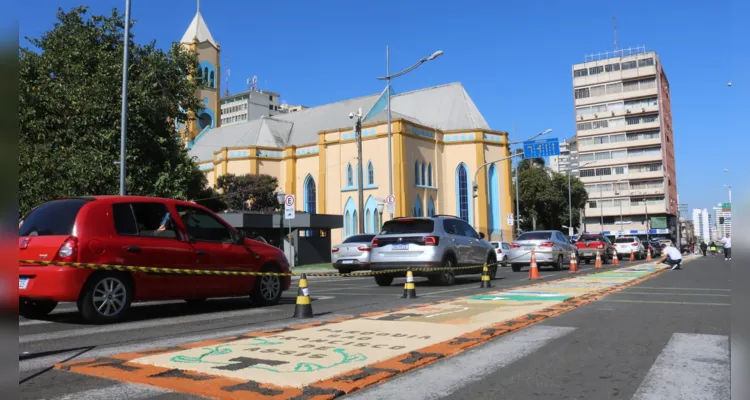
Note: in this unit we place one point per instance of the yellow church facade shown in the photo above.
(439, 141)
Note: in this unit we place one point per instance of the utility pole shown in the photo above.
(390, 134)
(518, 188)
(360, 174)
(124, 109)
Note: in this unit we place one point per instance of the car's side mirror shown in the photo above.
(481, 235)
(239, 237)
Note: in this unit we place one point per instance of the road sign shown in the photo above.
(289, 206)
(726, 206)
(541, 148)
(510, 219)
(390, 203)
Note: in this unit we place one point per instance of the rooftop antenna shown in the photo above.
(198, 10)
(614, 24)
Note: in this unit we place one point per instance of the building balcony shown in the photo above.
(626, 210)
(619, 145)
(614, 96)
(620, 161)
(622, 112)
(645, 175)
(614, 76)
(619, 129)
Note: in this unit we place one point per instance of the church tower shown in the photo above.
(198, 38)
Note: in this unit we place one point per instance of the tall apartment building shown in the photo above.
(626, 144)
(567, 160)
(702, 224)
(722, 210)
(251, 105)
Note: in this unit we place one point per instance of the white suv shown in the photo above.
(627, 244)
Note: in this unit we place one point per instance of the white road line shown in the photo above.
(674, 294)
(45, 362)
(128, 326)
(451, 374)
(690, 367)
(117, 391)
(679, 288)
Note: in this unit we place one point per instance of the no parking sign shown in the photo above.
(289, 206)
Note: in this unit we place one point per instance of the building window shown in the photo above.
(429, 175)
(424, 174)
(646, 62)
(580, 72)
(462, 181)
(430, 208)
(270, 98)
(270, 107)
(355, 221)
(347, 224)
(349, 176)
(417, 211)
(370, 173)
(416, 172)
(310, 195)
(596, 70)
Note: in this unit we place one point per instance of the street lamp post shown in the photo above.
(280, 199)
(475, 185)
(617, 193)
(360, 175)
(124, 109)
(518, 181)
(380, 216)
(387, 78)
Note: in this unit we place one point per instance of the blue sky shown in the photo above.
(514, 58)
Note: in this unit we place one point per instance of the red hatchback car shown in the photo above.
(140, 231)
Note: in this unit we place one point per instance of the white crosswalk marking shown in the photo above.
(118, 391)
(447, 376)
(691, 367)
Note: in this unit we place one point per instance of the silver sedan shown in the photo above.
(550, 248)
(353, 254)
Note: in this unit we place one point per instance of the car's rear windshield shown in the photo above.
(590, 238)
(535, 236)
(624, 240)
(359, 239)
(495, 245)
(54, 218)
(409, 225)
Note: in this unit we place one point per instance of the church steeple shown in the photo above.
(198, 30)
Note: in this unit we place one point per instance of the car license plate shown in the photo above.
(23, 283)
(402, 246)
(529, 247)
(347, 261)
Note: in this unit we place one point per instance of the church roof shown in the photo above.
(198, 29)
(445, 107)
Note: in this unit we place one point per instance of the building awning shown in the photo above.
(302, 220)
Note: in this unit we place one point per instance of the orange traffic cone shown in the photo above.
(573, 263)
(632, 256)
(598, 263)
(615, 260)
(534, 269)
(648, 256)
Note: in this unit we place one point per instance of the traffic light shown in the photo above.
(721, 220)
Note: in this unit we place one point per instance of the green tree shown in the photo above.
(258, 189)
(543, 198)
(69, 111)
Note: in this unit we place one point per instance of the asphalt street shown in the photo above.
(604, 349)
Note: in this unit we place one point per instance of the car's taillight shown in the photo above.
(634, 244)
(431, 240)
(363, 248)
(335, 250)
(515, 245)
(601, 246)
(499, 251)
(69, 250)
(375, 243)
(547, 244)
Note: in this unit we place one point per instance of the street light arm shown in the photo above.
(532, 138)
(404, 72)
(492, 162)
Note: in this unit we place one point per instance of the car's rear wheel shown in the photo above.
(345, 271)
(33, 309)
(448, 276)
(106, 297)
(267, 289)
(383, 280)
(516, 268)
(559, 264)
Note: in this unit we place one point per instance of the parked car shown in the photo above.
(137, 231)
(353, 254)
(591, 243)
(627, 244)
(551, 248)
(433, 242)
(502, 249)
(654, 246)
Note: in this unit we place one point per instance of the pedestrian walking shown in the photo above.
(712, 246)
(727, 242)
(704, 247)
(672, 257)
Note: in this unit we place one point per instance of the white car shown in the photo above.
(502, 249)
(627, 244)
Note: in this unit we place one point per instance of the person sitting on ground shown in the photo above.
(671, 256)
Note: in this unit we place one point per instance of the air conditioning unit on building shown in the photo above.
(627, 111)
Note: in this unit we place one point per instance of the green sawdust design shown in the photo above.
(220, 350)
(225, 349)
